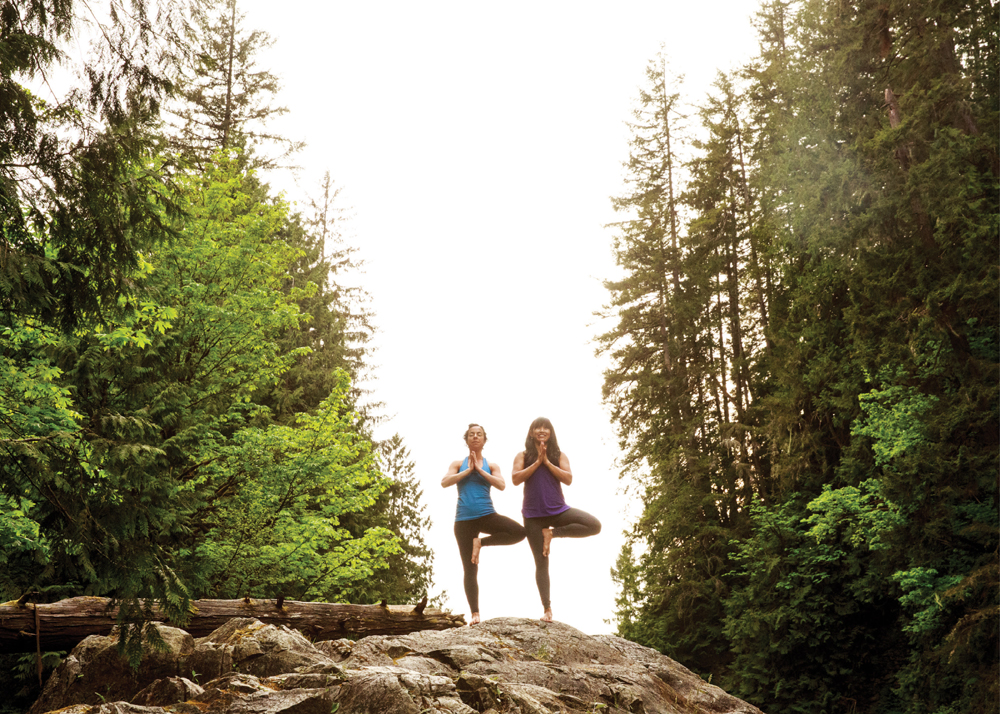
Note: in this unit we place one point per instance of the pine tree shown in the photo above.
(648, 341)
(161, 482)
(924, 323)
(79, 197)
(224, 100)
(839, 271)
(399, 509)
(673, 353)
(886, 333)
(338, 325)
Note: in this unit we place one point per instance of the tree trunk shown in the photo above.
(61, 625)
(228, 122)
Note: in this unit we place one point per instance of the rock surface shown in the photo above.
(501, 666)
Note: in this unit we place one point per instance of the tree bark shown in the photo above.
(61, 625)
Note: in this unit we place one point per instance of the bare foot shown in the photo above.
(547, 617)
(477, 544)
(546, 541)
(474, 620)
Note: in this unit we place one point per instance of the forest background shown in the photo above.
(801, 351)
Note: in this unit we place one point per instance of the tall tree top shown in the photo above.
(225, 101)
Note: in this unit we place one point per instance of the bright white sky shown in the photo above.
(478, 145)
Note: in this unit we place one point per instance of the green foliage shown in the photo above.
(151, 457)
(23, 547)
(280, 531)
(179, 359)
(19, 679)
(336, 324)
(811, 621)
(122, 485)
(892, 421)
(858, 514)
(398, 509)
(78, 198)
(682, 388)
(921, 587)
(839, 264)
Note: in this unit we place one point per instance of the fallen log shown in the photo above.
(61, 625)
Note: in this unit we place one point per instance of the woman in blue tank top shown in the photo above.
(475, 476)
(543, 469)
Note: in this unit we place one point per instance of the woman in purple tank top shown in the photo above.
(543, 469)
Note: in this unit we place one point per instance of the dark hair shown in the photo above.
(465, 436)
(551, 449)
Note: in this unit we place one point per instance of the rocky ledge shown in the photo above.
(504, 665)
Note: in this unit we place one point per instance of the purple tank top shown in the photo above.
(543, 495)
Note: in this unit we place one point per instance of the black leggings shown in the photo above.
(573, 523)
(502, 530)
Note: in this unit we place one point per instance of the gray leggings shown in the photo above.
(573, 523)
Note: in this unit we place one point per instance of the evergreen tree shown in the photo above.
(648, 340)
(78, 198)
(145, 314)
(846, 213)
(400, 510)
(81, 200)
(156, 485)
(224, 101)
(669, 390)
(337, 324)
(924, 323)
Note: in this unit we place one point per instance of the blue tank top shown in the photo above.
(474, 494)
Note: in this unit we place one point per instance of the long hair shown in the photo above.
(552, 448)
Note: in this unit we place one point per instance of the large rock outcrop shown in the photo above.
(504, 665)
